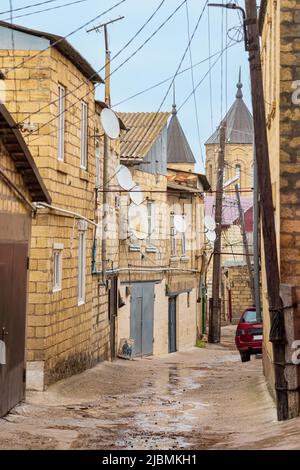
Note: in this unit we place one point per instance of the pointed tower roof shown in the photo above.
(179, 150)
(239, 122)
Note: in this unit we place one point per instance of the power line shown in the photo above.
(24, 61)
(27, 6)
(209, 65)
(49, 9)
(116, 55)
(164, 81)
(174, 77)
(193, 84)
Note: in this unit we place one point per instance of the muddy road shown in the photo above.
(197, 399)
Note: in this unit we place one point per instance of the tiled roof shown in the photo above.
(144, 128)
(239, 123)
(230, 212)
(179, 150)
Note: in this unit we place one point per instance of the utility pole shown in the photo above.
(106, 146)
(214, 333)
(277, 331)
(256, 231)
(245, 242)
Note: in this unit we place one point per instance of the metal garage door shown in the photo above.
(13, 287)
(141, 317)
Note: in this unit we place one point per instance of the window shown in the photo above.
(98, 169)
(183, 244)
(173, 235)
(151, 223)
(84, 135)
(61, 123)
(81, 268)
(238, 174)
(57, 267)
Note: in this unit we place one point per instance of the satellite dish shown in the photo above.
(211, 235)
(110, 123)
(124, 178)
(138, 221)
(179, 223)
(209, 222)
(136, 195)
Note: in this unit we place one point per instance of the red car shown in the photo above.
(249, 334)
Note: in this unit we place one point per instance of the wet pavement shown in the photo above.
(197, 399)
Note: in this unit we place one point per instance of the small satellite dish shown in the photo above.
(211, 235)
(124, 178)
(110, 123)
(138, 221)
(209, 222)
(136, 195)
(179, 223)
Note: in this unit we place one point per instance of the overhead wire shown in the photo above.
(193, 84)
(63, 38)
(57, 7)
(25, 7)
(116, 69)
(123, 63)
(209, 68)
(148, 128)
(13, 57)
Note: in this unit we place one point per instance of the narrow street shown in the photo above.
(198, 399)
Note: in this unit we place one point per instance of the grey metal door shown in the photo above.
(112, 312)
(13, 289)
(141, 318)
(172, 324)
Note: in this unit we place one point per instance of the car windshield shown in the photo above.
(250, 316)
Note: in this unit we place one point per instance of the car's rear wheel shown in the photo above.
(245, 356)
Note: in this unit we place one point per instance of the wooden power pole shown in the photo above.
(245, 243)
(277, 331)
(214, 332)
(106, 146)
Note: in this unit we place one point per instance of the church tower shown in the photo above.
(238, 148)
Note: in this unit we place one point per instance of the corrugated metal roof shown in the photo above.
(179, 150)
(63, 46)
(230, 211)
(16, 147)
(239, 123)
(143, 130)
(183, 188)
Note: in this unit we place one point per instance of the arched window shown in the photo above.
(238, 174)
(209, 174)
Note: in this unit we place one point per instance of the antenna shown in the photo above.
(138, 221)
(180, 223)
(209, 223)
(124, 178)
(110, 123)
(136, 195)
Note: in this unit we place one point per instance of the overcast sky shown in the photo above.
(160, 57)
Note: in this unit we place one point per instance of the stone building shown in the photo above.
(20, 187)
(238, 164)
(159, 273)
(50, 90)
(279, 23)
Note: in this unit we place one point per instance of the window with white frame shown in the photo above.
(98, 168)
(57, 267)
(183, 241)
(61, 123)
(81, 267)
(84, 135)
(173, 235)
(151, 222)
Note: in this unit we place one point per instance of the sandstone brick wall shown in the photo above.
(237, 280)
(63, 337)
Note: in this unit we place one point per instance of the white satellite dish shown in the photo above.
(138, 221)
(124, 178)
(209, 222)
(110, 123)
(179, 223)
(136, 195)
(211, 235)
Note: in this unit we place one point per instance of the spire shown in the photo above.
(239, 94)
(174, 110)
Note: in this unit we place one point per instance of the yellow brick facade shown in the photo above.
(63, 336)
